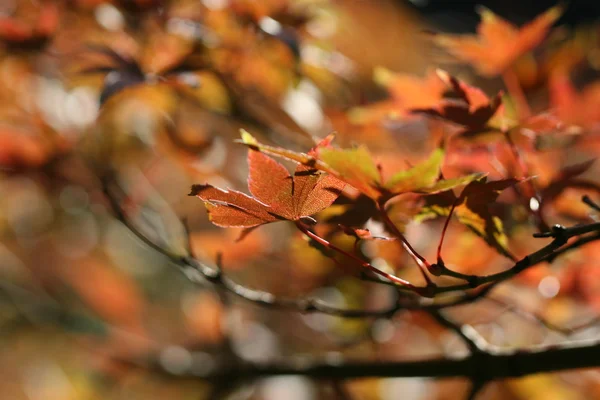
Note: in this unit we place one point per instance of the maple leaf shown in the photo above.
(357, 168)
(354, 166)
(439, 94)
(566, 178)
(498, 43)
(464, 105)
(275, 196)
(572, 106)
(411, 92)
(351, 210)
(472, 209)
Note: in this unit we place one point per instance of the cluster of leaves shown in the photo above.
(172, 82)
(468, 118)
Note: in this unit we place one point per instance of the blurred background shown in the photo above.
(153, 93)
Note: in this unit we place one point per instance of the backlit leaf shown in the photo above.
(423, 175)
(270, 183)
(572, 106)
(277, 195)
(411, 92)
(498, 43)
(472, 209)
(357, 168)
(229, 208)
(447, 184)
(464, 105)
(568, 178)
(354, 166)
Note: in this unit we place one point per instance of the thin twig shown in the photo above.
(475, 389)
(422, 263)
(563, 330)
(475, 342)
(514, 88)
(399, 281)
(587, 200)
(560, 235)
(198, 272)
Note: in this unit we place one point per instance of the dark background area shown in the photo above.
(461, 16)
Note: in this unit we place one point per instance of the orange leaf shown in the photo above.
(468, 106)
(498, 43)
(230, 208)
(270, 183)
(18, 149)
(410, 92)
(277, 195)
(357, 168)
(573, 107)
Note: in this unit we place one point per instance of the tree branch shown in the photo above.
(547, 253)
(466, 333)
(496, 363)
(484, 364)
(198, 272)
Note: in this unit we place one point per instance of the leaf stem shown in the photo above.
(304, 229)
(535, 211)
(444, 229)
(511, 81)
(424, 265)
(515, 89)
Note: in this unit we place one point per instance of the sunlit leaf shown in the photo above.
(277, 195)
(472, 208)
(464, 105)
(357, 168)
(569, 178)
(424, 175)
(581, 108)
(498, 43)
(409, 91)
(354, 166)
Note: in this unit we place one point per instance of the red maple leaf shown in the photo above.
(276, 195)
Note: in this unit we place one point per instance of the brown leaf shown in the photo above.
(464, 105)
(472, 208)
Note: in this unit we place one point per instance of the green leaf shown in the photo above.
(302, 158)
(447, 184)
(421, 176)
(355, 167)
(247, 138)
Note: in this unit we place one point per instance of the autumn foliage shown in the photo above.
(208, 189)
